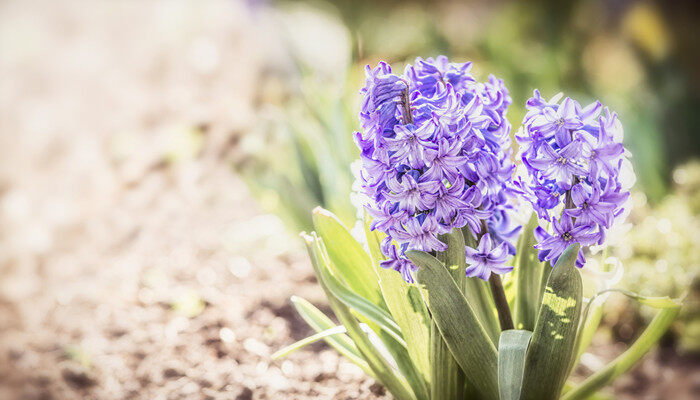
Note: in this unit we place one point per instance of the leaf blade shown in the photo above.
(408, 309)
(349, 258)
(320, 322)
(669, 309)
(375, 314)
(512, 349)
(552, 345)
(383, 371)
(285, 351)
(465, 337)
(529, 272)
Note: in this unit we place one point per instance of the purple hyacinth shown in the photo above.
(573, 156)
(487, 258)
(435, 155)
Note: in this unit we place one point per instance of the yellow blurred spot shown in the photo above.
(612, 65)
(78, 354)
(644, 26)
(188, 304)
(183, 144)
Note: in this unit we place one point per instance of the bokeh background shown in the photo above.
(158, 158)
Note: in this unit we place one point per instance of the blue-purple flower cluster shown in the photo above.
(573, 156)
(435, 154)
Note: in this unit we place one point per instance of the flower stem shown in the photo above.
(406, 95)
(499, 298)
(499, 295)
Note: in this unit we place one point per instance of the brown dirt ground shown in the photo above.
(107, 220)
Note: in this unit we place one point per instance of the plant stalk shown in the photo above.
(499, 295)
(499, 298)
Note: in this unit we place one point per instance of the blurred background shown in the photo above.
(159, 157)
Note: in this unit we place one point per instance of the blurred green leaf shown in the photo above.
(658, 326)
(626, 360)
(78, 354)
(336, 330)
(447, 377)
(320, 323)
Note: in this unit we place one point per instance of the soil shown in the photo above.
(135, 264)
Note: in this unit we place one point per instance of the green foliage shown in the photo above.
(431, 341)
(458, 325)
(530, 278)
(661, 255)
(549, 356)
(512, 349)
(299, 156)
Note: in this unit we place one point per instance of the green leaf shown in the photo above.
(336, 330)
(444, 367)
(512, 349)
(407, 308)
(319, 322)
(349, 258)
(383, 371)
(669, 309)
(446, 375)
(378, 320)
(528, 270)
(360, 304)
(552, 346)
(460, 329)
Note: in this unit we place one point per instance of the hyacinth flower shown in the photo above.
(418, 292)
(573, 156)
(446, 139)
(487, 258)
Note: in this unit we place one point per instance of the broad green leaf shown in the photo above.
(669, 309)
(552, 345)
(383, 371)
(528, 270)
(512, 349)
(444, 367)
(465, 337)
(407, 308)
(336, 330)
(350, 260)
(454, 257)
(448, 380)
(361, 305)
(478, 295)
(319, 322)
